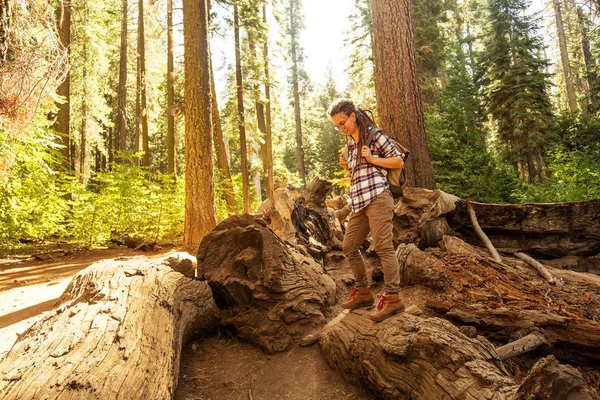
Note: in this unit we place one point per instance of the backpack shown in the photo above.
(396, 177)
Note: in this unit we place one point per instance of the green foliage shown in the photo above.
(32, 197)
(516, 86)
(128, 199)
(465, 169)
(573, 163)
(39, 202)
(572, 176)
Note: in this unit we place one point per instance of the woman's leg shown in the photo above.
(380, 214)
(356, 233)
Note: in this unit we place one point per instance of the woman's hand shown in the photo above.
(365, 152)
(343, 162)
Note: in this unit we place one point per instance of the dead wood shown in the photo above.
(509, 301)
(550, 380)
(116, 333)
(277, 212)
(545, 230)
(543, 271)
(521, 346)
(419, 217)
(408, 356)
(481, 234)
(268, 292)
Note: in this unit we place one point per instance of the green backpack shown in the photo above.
(396, 176)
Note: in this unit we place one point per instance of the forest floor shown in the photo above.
(218, 367)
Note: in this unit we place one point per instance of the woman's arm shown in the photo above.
(390, 162)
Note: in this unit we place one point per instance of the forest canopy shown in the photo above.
(112, 112)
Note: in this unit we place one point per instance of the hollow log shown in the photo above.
(267, 292)
(546, 230)
(407, 356)
(115, 333)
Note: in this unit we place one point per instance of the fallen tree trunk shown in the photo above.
(116, 333)
(408, 356)
(546, 230)
(505, 302)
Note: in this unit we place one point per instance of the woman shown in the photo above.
(372, 206)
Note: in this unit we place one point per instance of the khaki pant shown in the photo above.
(377, 218)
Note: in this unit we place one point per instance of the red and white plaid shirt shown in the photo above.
(368, 181)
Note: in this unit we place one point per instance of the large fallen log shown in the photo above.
(268, 293)
(407, 356)
(116, 333)
(506, 302)
(546, 230)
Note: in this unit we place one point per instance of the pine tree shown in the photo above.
(63, 118)
(396, 82)
(200, 216)
(516, 86)
(294, 24)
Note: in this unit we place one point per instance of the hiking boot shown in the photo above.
(359, 297)
(388, 305)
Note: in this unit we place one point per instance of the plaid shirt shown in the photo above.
(368, 181)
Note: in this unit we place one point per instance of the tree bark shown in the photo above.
(240, 109)
(564, 57)
(220, 151)
(542, 230)
(63, 118)
(142, 85)
(5, 13)
(397, 86)
(199, 191)
(116, 333)
(170, 91)
(268, 124)
(269, 292)
(407, 356)
(121, 125)
(295, 87)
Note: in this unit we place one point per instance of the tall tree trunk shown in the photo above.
(142, 78)
(220, 150)
(5, 12)
(564, 57)
(295, 78)
(121, 125)
(260, 115)
(83, 150)
(587, 54)
(269, 135)
(397, 86)
(63, 118)
(199, 189)
(171, 91)
(240, 107)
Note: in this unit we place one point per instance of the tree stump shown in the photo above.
(116, 333)
(407, 356)
(267, 292)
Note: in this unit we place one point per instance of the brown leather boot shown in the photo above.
(388, 306)
(359, 297)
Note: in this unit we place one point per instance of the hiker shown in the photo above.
(372, 205)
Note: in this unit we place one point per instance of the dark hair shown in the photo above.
(363, 119)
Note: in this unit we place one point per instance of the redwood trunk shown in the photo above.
(397, 86)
